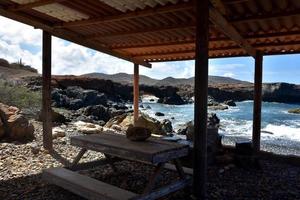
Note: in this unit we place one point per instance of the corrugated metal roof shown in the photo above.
(132, 5)
(61, 12)
(161, 30)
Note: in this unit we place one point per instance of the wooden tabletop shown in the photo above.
(152, 150)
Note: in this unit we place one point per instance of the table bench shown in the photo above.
(152, 151)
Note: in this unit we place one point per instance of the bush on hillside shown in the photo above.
(18, 65)
(19, 96)
(22, 66)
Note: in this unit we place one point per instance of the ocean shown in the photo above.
(280, 129)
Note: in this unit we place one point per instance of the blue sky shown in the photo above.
(21, 41)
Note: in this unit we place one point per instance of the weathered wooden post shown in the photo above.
(257, 101)
(136, 92)
(200, 113)
(46, 105)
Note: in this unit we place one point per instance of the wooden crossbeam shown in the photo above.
(130, 15)
(273, 44)
(192, 40)
(218, 4)
(67, 35)
(268, 16)
(229, 30)
(171, 27)
(33, 4)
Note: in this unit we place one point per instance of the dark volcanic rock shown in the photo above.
(295, 111)
(167, 126)
(230, 103)
(281, 92)
(99, 112)
(159, 114)
(172, 100)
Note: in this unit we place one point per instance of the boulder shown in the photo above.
(294, 111)
(218, 107)
(229, 103)
(14, 125)
(213, 120)
(125, 120)
(172, 100)
(135, 133)
(99, 112)
(19, 128)
(159, 114)
(167, 126)
(88, 128)
(58, 132)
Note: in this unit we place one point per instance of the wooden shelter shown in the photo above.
(145, 31)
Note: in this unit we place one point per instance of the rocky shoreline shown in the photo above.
(21, 166)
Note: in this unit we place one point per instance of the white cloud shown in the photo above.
(229, 74)
(21, 41)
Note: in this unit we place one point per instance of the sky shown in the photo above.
(19, 41)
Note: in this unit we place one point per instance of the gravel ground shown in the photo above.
(21, 166)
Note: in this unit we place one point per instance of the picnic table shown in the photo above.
(115, 146)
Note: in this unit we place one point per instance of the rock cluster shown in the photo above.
(14, 125)
(295, 111)
(122, 122)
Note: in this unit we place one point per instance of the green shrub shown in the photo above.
(19, 96)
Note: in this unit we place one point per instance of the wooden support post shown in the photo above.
(200, 113)
(136, 92)
(46, 109)
(257, 101)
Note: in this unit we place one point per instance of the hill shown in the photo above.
(14, 71)
(145, 80)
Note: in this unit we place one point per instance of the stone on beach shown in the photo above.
(88, 128)
(125, 120)
(13, 124)
(19, 128)
(136, 133)
(294, 111)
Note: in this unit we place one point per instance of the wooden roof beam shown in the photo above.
(130, 15)
(223, 25)
(142, 31)
(218, 4)
(33, 4)
(192, 40)
(68, 35)
(263, 45)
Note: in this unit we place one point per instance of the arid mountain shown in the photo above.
(145, 80)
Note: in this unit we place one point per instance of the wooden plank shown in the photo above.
(165, 190)
(136, 77)
(188, 171)
(200, 110)
(217, 19)
(68, 35)
(129, 15)
(151, 151)
(33, 4)
(85, 186)
(46, 92)
(257, 102)
(92, 164)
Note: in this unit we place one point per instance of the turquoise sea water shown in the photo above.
(279, 128)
